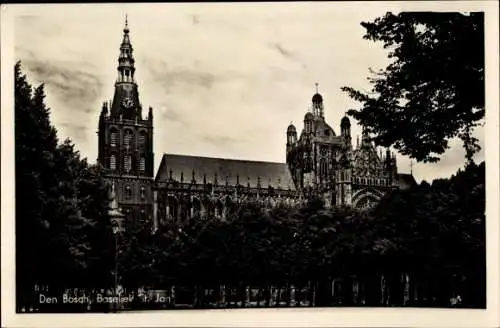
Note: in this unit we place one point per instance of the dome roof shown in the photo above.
(291, 128)
(317, 98)
(345, 122)
(309, 116)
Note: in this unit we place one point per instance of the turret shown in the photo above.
(317, 104)
(291, 138)
(150, 114)
(345, 131)
(291, 134)
(345, 126)
(308, 122)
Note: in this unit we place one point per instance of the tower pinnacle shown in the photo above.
(126, 30)
(126, 99)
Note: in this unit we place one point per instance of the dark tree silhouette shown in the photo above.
(434, 88)
(62, 226)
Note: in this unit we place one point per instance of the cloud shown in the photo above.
(288, 54)
(71, 83)
(170, 77)
(282, 51)
(220, 141)
(169, 114)
(77, 132)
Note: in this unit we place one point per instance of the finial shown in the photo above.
(126, 30)
(316, 84)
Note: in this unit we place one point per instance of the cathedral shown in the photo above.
(319, 163)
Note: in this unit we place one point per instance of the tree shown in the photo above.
(61, 205)
(434, 88)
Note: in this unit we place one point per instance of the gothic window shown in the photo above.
(323, 167)
(143, 192)
(127, 163)
(142, 139)
(112, 162)
(128, 138)
(142, 164)
(113, 138)
(128, 192)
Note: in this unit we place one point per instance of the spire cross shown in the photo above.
(126, 20)
(316, 84)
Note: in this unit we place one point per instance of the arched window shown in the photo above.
(127, 140)
(324, 167)
(142, 139)
(142, 164)
(113, 137)
(127, 163)
(143, 192)
(112, 162)
(128, 192)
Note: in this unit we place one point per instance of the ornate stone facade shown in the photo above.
(326, 165)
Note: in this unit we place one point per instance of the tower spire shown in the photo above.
(126, 61)
(126, 99)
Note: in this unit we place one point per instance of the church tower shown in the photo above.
(126, 141)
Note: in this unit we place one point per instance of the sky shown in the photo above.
(224, 79)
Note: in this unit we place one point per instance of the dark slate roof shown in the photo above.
(405, 181)
(272, 174)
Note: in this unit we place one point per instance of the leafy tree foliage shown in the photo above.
(434, 88)
(434, 234)
(62, 227)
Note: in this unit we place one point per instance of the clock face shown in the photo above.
(128, 102)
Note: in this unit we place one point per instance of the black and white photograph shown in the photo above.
(275, 156)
